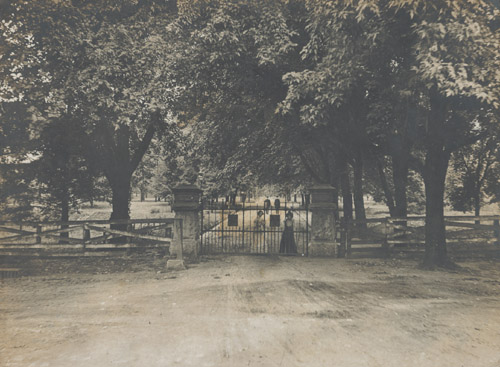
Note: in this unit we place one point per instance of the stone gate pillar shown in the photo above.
(322, 208)
(186, 206)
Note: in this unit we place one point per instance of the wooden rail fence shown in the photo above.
(389, 232)
(88, 237)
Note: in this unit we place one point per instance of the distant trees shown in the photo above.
(50, 174)
(475, 175)
(163, 165)
(15, 189)
(61, 170)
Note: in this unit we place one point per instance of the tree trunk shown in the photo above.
(335, 183)
(64, 217)
(389, 200)
(435, 167)
(120, 186)
(400, 164)
(119, 162)
(400, 167)
(346, 189)
(359, 202)
(143, 196)
(336, 201)
(477, 204)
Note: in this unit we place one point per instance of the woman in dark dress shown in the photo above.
(287, 243)
(267, 205)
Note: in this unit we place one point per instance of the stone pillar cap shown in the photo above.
(186, 187)
(186, 197)
(322, 194)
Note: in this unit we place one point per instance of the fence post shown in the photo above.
(168, 232)
(348, 239)
(38, 238)
(342, 240)
(176, 259)
(323, 222)
(187, 207)
(129, 229)
(385, 244)
(202, 227)
(496, 224)
(86, 235)
(222, 227)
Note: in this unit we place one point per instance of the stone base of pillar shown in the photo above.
(174, 264)
(322, 249)
(190, 248)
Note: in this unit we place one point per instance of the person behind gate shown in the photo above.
(259, 225)
(287, 243)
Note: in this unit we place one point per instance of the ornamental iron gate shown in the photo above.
(240, 229)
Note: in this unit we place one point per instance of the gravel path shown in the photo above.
(256, 311)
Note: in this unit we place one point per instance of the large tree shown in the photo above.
(104, 64)
(454, 59)
(456, 64)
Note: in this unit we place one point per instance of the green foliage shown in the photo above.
(61, 172)
(233, 56)
(475, 176)
(15, 121)
(101, 63)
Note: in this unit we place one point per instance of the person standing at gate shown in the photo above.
(277, 204)
(287, 243)
(259, 226)
(267, 205)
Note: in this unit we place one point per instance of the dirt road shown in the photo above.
(256, 311)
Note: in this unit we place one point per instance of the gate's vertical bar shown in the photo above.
(302, 234)
(212, 227)
(307, 230)
(222, 229)
(202, 230)
(215, 231)
(276, 235)
(38, 233)
(348, 239)
(243, 227)
(263, 250)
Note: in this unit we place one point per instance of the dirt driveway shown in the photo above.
(256, 311)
